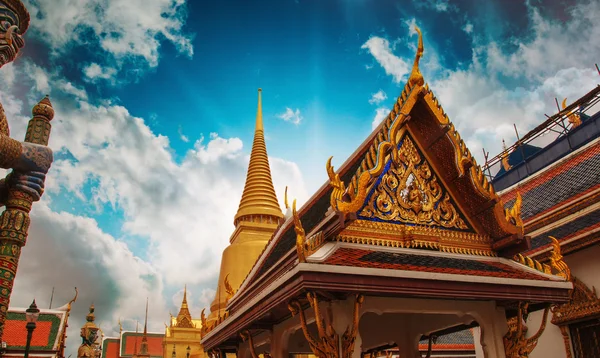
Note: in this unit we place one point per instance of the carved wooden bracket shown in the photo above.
(328, 343)
(516, 343)
(247, 336)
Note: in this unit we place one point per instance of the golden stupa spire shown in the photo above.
(259, 202)
(184, 317)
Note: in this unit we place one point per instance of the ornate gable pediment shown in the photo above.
(419, 172)
(408, 191)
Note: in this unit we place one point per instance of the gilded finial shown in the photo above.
(557, 262)
(339, 188)
(416, 78)
(300, 234)
(505, 164)
(120, 327)
(574, 118)
(228, 289)
(72, 300)
(285, 200)
(513, 215)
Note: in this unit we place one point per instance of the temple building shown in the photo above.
(407, 241)
(134, 344)
(48, 339)
(559, 186)
(182, 336)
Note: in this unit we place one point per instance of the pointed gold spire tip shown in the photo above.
(259, 199)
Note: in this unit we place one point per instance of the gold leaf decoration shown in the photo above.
(409, 192)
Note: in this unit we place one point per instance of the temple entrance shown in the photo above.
(586, 338)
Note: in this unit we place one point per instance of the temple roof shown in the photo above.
(561, 201)
(47, 335)
(129, 340)
(110, 348)
(259, 194)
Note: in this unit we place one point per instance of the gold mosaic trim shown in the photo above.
(424, 237)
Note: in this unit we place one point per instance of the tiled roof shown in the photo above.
(562, 182)
(424, 263)
(110, 348)
(461, 340)
(569, 229)
(128, 343)
(45, 336)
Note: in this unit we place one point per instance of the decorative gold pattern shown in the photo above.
(557, 262)
(584, 303)
(573, 117)
(300, 235)
(516, 343)
(409, 192)
(228, 289)
(534, 264)
(513, 215)
(386, 234)
(328, 344)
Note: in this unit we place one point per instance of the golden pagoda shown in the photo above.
(257, 218)
(183, 334)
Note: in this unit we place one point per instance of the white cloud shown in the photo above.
(291, 116)
(123, 29)
(182, 136)
(380, 114)
(395, 66)
(95, 72)
(378, 97)
(167, 204)
(484, 108)
(468, 28)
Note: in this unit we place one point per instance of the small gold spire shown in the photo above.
(287, 206)
(259, 197)
(184, 317)
(416, 78)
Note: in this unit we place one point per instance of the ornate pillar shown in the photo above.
(14, 221)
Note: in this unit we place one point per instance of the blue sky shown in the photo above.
(155, 105)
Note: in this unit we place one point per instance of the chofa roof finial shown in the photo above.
(416, 78)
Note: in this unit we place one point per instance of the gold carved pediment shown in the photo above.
(409, 192)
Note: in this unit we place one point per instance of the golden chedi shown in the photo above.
(257, 218)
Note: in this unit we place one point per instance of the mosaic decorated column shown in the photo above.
(30, 160)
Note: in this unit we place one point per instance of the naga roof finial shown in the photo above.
(416, 78)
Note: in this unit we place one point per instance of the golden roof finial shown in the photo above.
(300, 234)
(228, 289)
(574, 118)
(505, 163)
(287, 206)
(416, 78)
(557, 262)
(259, 197)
